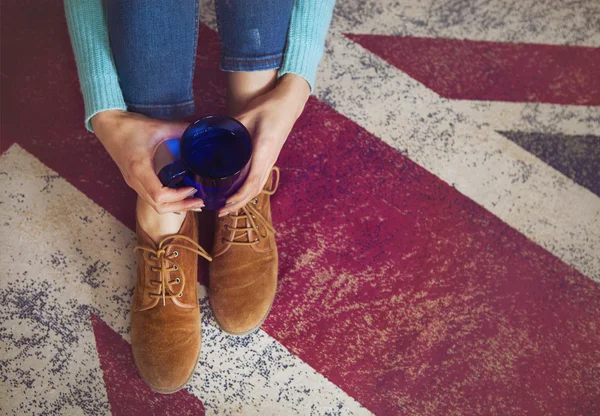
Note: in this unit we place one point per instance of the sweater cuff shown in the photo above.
(306, 38)
(302, 58)
(101, 93)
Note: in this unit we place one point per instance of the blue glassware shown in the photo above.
(214, 158)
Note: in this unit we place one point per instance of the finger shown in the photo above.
(243, 196)
(244, 119)
(171, 130)
(158, 193)
(139, 189)
(192, 204)
(237, 201)
(260, 170)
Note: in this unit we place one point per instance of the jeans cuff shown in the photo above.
(263, 63)
(165, 111)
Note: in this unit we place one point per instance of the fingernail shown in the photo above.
(192, 192)
(197, 209)
(222, 214)
(230, 203)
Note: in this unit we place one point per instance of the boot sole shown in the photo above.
(251, 330)
(175, 389)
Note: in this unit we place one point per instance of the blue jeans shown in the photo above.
(154, 47)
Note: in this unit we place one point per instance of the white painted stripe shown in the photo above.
(436, 133)
(262, 377)
(459, 143)
(64, 256)
(529, 21)
(532, 117)
(526, 21)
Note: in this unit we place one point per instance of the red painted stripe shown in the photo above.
(42, 107)
(127, 394)
(494, 71)
(399, 289)
(413, 298)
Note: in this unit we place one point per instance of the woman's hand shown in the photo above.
(269, 118)
(131, 140)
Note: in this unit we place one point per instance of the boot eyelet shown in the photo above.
(176, 268)
(149, 255)
(255, 201)
(178, 280)
(181, 295)
(226, 227)
(175, 253)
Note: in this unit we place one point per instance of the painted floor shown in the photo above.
(438, 224)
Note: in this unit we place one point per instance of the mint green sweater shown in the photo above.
(98, 74)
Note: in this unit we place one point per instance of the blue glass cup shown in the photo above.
(214, 158)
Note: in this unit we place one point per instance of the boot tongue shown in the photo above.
(226, 232)
(250, 233)
(223, 234)
(225, 226)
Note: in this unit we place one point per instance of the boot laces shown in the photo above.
(160, 255)
(253, 220)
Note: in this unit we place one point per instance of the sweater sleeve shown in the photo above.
(306, 38)
(97, 72)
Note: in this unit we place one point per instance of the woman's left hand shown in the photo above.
(269, 118)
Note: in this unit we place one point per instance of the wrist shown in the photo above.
(297, 90)
(105, 118)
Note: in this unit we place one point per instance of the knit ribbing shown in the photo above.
(306, 37)
(98, 75)
(97, 72)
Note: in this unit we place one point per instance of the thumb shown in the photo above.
(171, 130)
(247, 120)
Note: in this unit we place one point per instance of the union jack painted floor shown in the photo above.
(438, 223)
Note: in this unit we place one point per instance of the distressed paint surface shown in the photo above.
(494, 71)
(576, 156)
(57, 274)
(416, 299)
(432, 262)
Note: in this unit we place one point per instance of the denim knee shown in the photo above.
(252, 33)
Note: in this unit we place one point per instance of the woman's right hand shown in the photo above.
(131, 140)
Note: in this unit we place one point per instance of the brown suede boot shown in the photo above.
(243, 273)
(165, 316)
